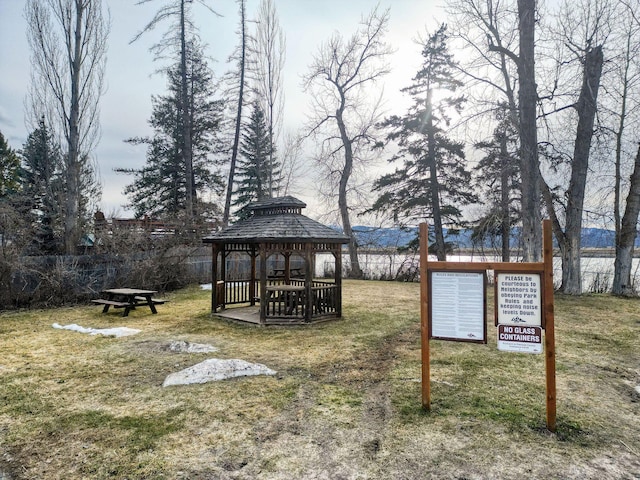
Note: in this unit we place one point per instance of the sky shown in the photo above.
(130, 80)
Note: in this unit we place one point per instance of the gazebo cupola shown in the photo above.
(269, 259)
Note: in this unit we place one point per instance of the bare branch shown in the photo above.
(341, 116)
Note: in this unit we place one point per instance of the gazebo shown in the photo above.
(267, 264)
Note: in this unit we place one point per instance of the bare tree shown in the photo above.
(624, 91)
(626, 237)
(68, 41)
(291, 155)
(241, 59)
(487, 32)
(342, 116)
(582, 33)
(529, 162)
(268, 55)
(491, 18)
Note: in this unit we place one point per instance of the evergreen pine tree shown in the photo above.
(255, 171)
(159, 187)
(432, 181)
(42, 189)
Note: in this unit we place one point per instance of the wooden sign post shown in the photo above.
(524, 307)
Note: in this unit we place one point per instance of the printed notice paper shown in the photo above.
(457, 301)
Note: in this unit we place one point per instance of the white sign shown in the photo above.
(521, 339)
(519, 299)
(457, 301)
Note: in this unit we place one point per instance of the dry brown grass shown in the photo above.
(344, 405)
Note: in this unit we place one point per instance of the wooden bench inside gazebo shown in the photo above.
(264, 266)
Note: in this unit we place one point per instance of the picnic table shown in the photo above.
(287, 296)
(129, 299)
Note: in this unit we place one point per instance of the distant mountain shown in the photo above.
(378, 237)
(374, 237)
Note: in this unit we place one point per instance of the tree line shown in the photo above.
(517, 111)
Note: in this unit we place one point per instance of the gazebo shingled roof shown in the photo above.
(277, 220)
(277, 226)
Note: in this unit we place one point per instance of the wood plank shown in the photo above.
(549, 326)
(155, 301)
(113, 303)
(424, 313)
(532, 267)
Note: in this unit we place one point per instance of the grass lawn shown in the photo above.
(345, 403)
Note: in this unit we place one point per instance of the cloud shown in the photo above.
(5, 120)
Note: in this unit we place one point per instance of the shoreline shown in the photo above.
(609, 252)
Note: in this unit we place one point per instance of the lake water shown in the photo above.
(597, 272)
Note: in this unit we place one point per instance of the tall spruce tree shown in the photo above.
(432, 182)
(159, 187)
(175, 42)
(255, 169)
(42, 190)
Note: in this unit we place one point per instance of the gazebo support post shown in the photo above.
(337, 253)
(223, 275)
(308, 282)
(252, 280)
(263, 283)
(287, 265)
(214, 278)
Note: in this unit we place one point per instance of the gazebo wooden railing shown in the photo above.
(291, 300)
(323, 297)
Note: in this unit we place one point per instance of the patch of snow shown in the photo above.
(215, 369)
(638, 388)
(110, 332)
(206, 286)
(181, 346)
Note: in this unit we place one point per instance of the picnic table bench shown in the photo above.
(293, 272)
(129, 299)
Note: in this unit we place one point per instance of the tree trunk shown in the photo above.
(527, 95)
(67, 62)
(355, 270)
(621, 278)
(441, 248)
(72, 201)
(236, 137)
(186, 123)
(625, 242)
(618, 163)
(505, 223)
(586, 108)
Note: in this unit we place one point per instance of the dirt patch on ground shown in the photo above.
(315, 436)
